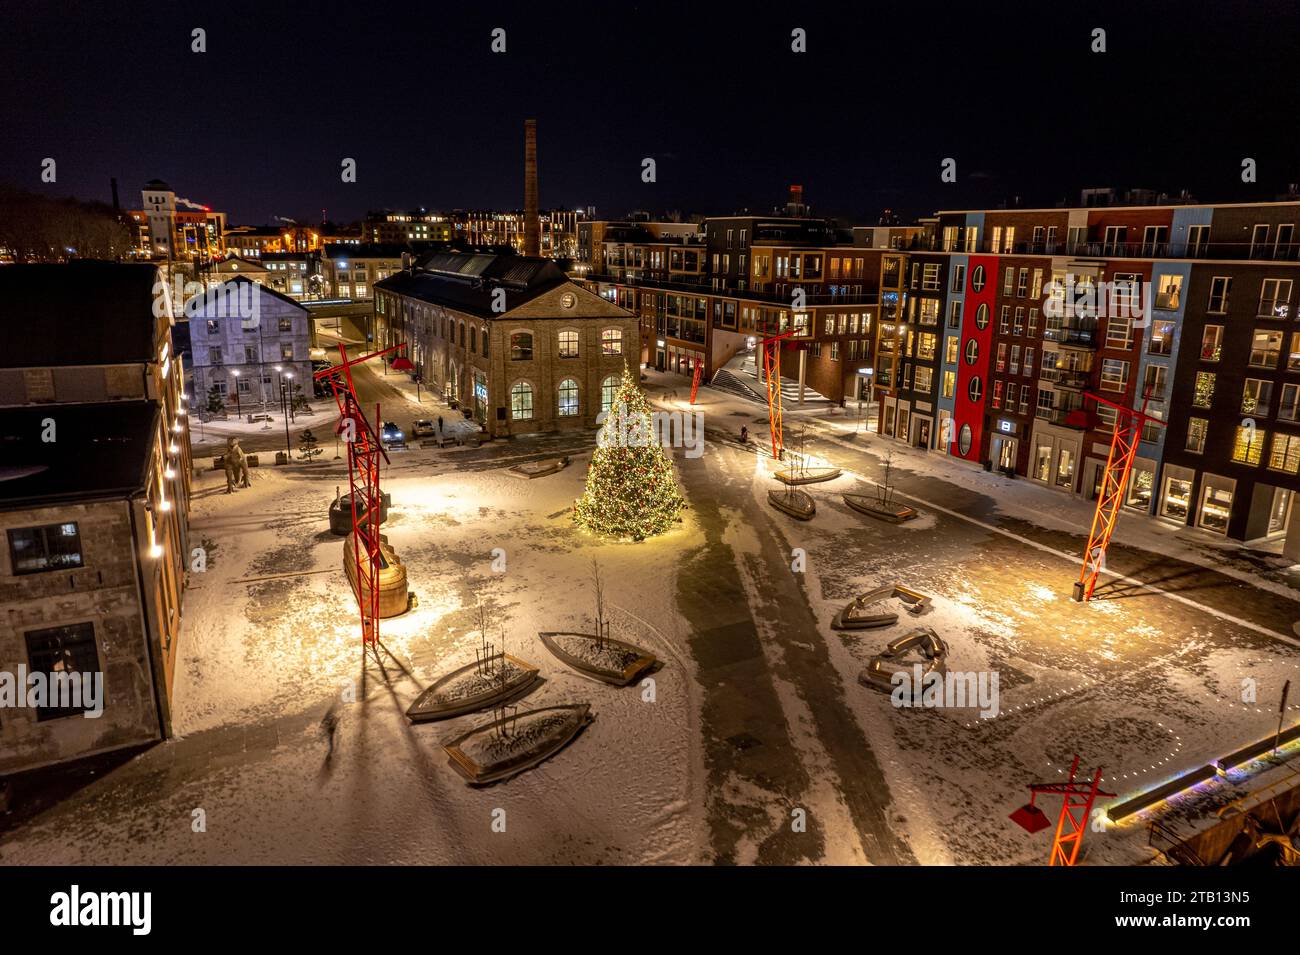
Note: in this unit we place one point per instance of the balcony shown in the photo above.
(1072, 379)
(1075, 332)
(1079, 419)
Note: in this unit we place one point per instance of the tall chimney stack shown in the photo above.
(532, 225)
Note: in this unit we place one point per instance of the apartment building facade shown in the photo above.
(1186, 308)
(705, 294)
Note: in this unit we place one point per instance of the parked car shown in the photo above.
(422, 428)
(392, 435)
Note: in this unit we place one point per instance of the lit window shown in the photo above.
(611, 341)
(521, 401)
(568, 398)
(1249, 444)
(608, 391)
(568, 344)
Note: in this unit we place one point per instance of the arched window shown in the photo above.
(964, 439)
(982, 316)
(974, 389)
(473, 338)
(568, 343)
(608, 391)
(972, 351)
(977, 279)
(611, 341)
(462, 334)
(521, 401)
(484, 339)
(521, 346)
(568, 398)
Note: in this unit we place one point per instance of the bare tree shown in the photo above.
(599, 585)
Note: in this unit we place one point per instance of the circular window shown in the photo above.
(972, 351)
(974, 389)
(977, 279)
(964, 438)
(982, 317)
(568, 300)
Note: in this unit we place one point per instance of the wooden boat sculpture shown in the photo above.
(858, 614)
(880, 508)
(394, 598)
(536, 469)
(612, 661)
(806, 475)
(475, 686)
(798, 504)
(925, 647)
(514, 743)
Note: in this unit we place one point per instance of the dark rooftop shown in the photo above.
(101, 450)
(76, 313)
(465, 281)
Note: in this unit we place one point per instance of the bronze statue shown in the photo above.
(236, 463)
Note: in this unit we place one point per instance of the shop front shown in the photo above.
(1176, 493)
(1141, 485)
(1006, 444)
(1215, 503)
(1055, 457)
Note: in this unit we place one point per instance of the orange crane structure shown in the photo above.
(1076, 808)
(364, 451)
(772, 375)
(1119, 464)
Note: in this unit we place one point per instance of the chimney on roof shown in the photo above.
(794, 206)
(532, 225)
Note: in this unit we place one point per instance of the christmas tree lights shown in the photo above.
(631, 485)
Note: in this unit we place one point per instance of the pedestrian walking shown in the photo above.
(440, 426)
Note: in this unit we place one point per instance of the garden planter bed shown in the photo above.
(473, 687)
(798, 504)
(614, 662)
(893, 512)
(483, 756)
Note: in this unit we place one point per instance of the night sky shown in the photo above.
(258, 125)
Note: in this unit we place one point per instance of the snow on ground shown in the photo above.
(1108, 679)
(267, 659)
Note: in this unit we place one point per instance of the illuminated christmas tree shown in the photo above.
(631, 486)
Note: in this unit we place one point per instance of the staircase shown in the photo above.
(724, 380)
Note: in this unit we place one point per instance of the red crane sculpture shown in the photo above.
(695, 382)
(1119, 464)
(1076, 807)
(772, 373)
(364, 452)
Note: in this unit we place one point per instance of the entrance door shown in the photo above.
(902, 424)
(923, 433)
(1007, 454)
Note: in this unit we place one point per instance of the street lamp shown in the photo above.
(238, 411)
(284, 411)
(288, 385)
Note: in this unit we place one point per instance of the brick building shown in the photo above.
(510, 339)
